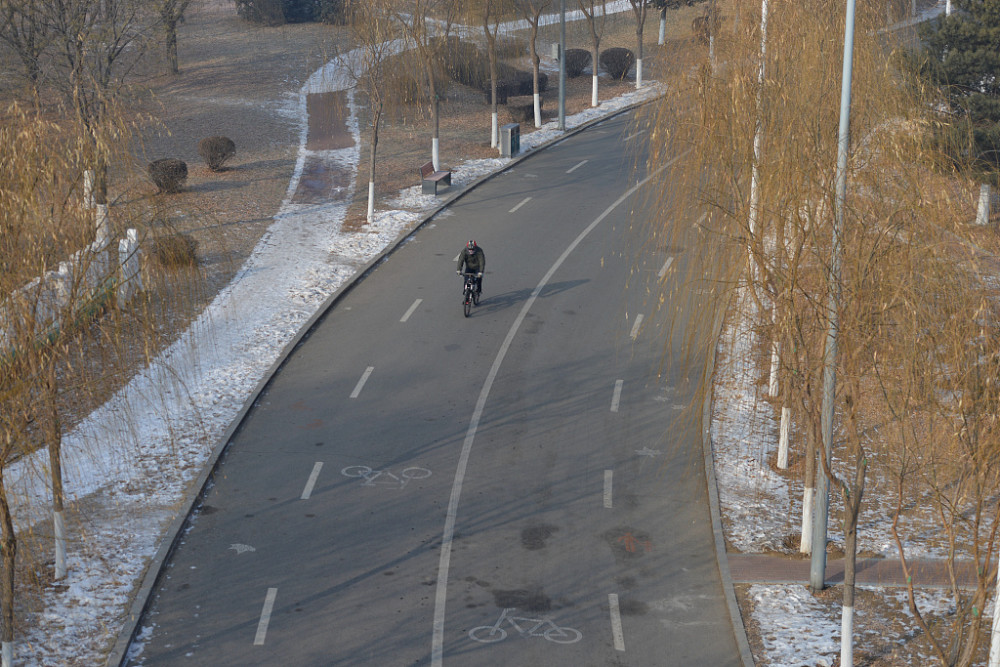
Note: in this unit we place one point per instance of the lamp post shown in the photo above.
(562, 64)
(817, 570)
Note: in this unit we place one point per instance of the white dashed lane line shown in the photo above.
(635, 327)
(616, 622)
(411, 309)
(361, 383)
(608, 479)
(523, 202)
(617, 396)
(265, 617)
(666, 267)
(311, 482)
(577, 166)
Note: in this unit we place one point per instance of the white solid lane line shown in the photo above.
(361, 383)
(265, 616)
(666, 267)
(616, 622)
(617, 397)
(523, 202)
(608, 477)
(577, 166)
(311, 482)
(635, 327)
(633, 136)
(411, 309)
(448, 536)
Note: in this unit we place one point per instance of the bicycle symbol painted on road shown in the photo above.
(526, 627)
(385, 477)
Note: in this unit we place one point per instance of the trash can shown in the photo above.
(510, 140)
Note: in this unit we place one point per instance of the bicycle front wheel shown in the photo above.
(467, 305)
(563, 635)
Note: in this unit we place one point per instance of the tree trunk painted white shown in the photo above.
(663, 30)
(436, 153)
(995, 635)
(371, 201)
(638, 73)
(8, 654)
(786, 418)
(88, 188)
(593, 97)
(102, 222)
(59, 529)
(805, 542)
(947, 12)
(773, 386)
(983, 214)
(538, 110)
(847, 637)
(495, 131)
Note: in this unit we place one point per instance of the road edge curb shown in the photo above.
(736, 617)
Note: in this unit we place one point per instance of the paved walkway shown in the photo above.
(765, 569)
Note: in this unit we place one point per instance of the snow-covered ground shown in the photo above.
(134, 458)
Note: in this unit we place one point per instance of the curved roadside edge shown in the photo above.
(722, 559)
(172, 536)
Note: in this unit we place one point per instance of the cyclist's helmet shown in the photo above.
(470, 247)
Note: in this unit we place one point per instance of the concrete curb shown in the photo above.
(198, 487)
(739, 629)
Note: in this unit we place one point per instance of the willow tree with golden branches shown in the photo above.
(904, 267)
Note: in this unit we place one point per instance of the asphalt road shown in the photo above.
(514, 488)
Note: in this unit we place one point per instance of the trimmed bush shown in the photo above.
(279, 12)
(524, 112)
(617, 61)
(215, 151)
(168, 174)
(265, 12)
(175, 250)
(576, 61)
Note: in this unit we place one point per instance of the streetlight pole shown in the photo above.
(562, 64)
(817, 570)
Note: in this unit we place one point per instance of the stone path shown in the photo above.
(765, 569)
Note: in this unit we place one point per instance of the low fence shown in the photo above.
(90, 276)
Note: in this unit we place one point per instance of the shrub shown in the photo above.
(617, 61)
(332, 11)
(511, 47)
(576, 61)
(175, 250)
(168, 174)
(265, 12)
(215, 151)
(523, 112)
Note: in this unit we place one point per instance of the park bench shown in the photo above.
(429, 178)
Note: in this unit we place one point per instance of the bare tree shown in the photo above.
(639, 8)
(419, 22)
(171, 13)
(23, 28)
(531, 11)
(375, 31)
(97, 46)
(595, 13)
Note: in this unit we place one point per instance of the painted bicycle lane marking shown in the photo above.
(373, 477)
(543, 627)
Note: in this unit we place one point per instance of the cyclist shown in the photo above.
(474, 260)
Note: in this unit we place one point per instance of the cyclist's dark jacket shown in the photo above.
(475, 262)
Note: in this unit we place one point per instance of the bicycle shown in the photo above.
(470, 295)
(543, 627)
